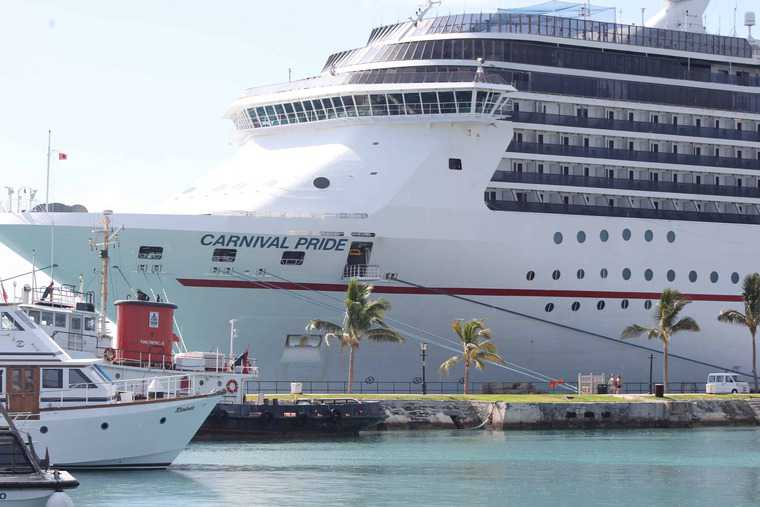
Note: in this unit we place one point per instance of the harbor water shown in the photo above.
(697, 467)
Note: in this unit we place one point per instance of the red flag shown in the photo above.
(62, 156)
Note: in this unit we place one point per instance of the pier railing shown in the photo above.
(451, 387)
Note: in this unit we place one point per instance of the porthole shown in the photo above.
(626, 234)
(580, 274)
(714, 277)
(556, 274)
(692, 276)
(43, 429)
(321, 182)
(648, 235)
(530, 275)
(734, 278)
(647, 305)
(671, 275)
(581, 237)
(600, 305)
(162, 420)
(575, 306)
(104, 426)
(648, 275)
(558, 238)
(603, 273)
(604, 235)
(118, 376)
(626, 274)
(671, 236)
(201, 382)
(624, 304)
(549, 307)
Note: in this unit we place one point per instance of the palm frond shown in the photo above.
(384, 335)
(685, 324)
(732, 317)
(324, 326)
(449, 364)
(634, 331)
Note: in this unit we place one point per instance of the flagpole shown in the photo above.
(47, 176)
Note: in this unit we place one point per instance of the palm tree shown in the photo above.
(751, 316)
(477, 348)
(363, 319)
(671, 304)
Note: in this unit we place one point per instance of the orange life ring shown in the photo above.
(232, 386)
(109, 354)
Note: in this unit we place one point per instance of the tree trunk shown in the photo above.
(754, 360)
(666, 375)
(466, 378)
(350, 369)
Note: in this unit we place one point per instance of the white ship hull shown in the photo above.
(122, 443)
(488, 264)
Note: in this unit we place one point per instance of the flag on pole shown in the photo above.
(62, 156)
(5, 294)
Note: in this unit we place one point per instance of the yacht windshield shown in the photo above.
(7, 323)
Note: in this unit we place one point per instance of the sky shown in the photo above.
(134, 92)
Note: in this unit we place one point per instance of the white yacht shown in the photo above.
(79, 417)
(548, 174)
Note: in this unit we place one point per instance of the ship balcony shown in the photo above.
(696, 189)
(635, 126)
(361, 272)
(634, 156)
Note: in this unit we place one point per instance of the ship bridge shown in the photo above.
(365, 95)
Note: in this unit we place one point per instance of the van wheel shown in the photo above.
(734, 391)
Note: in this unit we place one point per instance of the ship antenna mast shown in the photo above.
(423, 10)
(109, 238)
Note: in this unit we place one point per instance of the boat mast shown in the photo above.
(47, 175)
(102, 247)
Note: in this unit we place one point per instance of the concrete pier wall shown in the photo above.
(500, 415)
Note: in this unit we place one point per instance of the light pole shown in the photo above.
(423, 354)
(651, 358)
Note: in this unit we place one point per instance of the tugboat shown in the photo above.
(304, 419)
(24, 478)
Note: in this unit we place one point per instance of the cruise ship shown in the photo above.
(548, 174)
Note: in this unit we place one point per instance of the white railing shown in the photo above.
(362, 271)
(128, 390)
(166, 362)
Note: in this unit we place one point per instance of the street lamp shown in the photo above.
(423, 354)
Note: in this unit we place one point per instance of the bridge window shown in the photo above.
(79, 380)
(447, 103)
(150, 252)
(52, 378)
(429, 103)
(292, 258)
(60, 320)
(224, 255)
(455, 164)
(464, 101)
(298, 341)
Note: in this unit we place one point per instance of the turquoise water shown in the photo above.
(705, 467)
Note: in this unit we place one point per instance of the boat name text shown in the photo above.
(282, 242)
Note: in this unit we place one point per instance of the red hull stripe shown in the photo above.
(452, 291)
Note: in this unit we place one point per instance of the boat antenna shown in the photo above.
(109, 238)
(47, 173)
(233, 335)
(422, 11)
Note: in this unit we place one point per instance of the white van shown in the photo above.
(725, 383)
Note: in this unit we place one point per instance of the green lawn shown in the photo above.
(524, 398)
